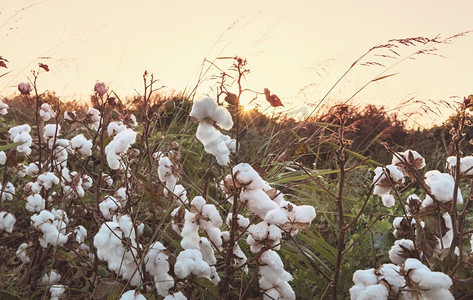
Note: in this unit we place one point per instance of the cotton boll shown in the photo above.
(118, 146)
(442, 185)
(189, 262)
(51, 131)
(167, 174)
(158, 266)
(385, 178)
(3, 158)
(365, 277)
(400, 250)
(190, 232)
(22, 254)
(410, 157)
(466, 165)
(121, 196)
(388, 200)
(208, 254)
(46, 113)
(32, 170)
(213, 142)
(207, 108)
(81, 145)
(51, 278)
(374, 292)
(391, 273)
(247, 177)
(35, 203)
(447, 239)
(176, 296)
(20, 134)
(7, 221)
(56, 291)
(109, 206)
(258, 202)
(180, 195)
(87, 181)
(3, 108)
(93, 118)
(115, 128)
(132, 295)
(7, 192)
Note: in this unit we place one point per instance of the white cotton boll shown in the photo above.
(81, 145)
(385, 177)
(51, 131)
(119, 145)
(271, 294)
(258, 202)
(3, 108)
(261, 235)
(198, 202)
(109, 206)
(47, 180)
(399, 249)
(26, 140)
(391, 273)
(374, 292)
(21, 253)
(207, 251)
(51, 278)
(121, 196)
(304, 213)
(45, 112)
(132, 295)
(35, 203)
(8, 192)
(158, 266)
(207, 108)
(247, 177)
(3, 158)
(466, 165)
(180, 195)
(41, 218)
(115, 128)
(93, 118)
(441, 186)
(213, 142)
(7, 221)
(81, 234)
(86, 181)
(70, 115)
(32, 170)
(242, 222)
(60, 215)
(365, 277)
(410, 156)
(166, 174)
(214, 277)
(56, 291)
(16, 130)
(176, 296)
(443, 294)
(388, 200)
(230, 143)
(430, 280)
(189, 262)
(447, 239)
(190, 232)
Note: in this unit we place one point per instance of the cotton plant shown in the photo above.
(208, 113)
(53, 230)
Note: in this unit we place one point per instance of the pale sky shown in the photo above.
(297, 49)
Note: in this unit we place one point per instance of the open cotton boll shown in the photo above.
(81, 145)
(35, 203)
(81, 234)
(109, 206)
(247, 177)
(207, 108)
(47, 180)
(8, 192)
(447, 238)
(190, 232)
(208, 254)
(132, 295)
(441, 186)
(180, 195)
(56, 291)
(189, 262)
(374, 292)
(258, 201)
(3, 158)
(213, 142)
(51, 131)
(32, 169)
(274, 276)
(20, 134)
(51, 278)
(410, 157)
(466, 165)
(424, 277)
(3, 108)
(7, 221)
(21, 253)
(120, 196)
(365, 277)
(385, 178)
(46, 113)
(242, 222)
(93, 118)
(175, 296)
(157, 265)
(388, 200)
(167, 174)
(391, 273)
(115, 128)
(119, 145)
(400, 251)
(263, 235)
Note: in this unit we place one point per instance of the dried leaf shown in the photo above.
(272, 99)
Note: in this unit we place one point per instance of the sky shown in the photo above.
(297, 49)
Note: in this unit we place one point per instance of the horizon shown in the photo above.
(88, 42)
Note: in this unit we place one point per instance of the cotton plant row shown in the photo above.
(424, 232)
